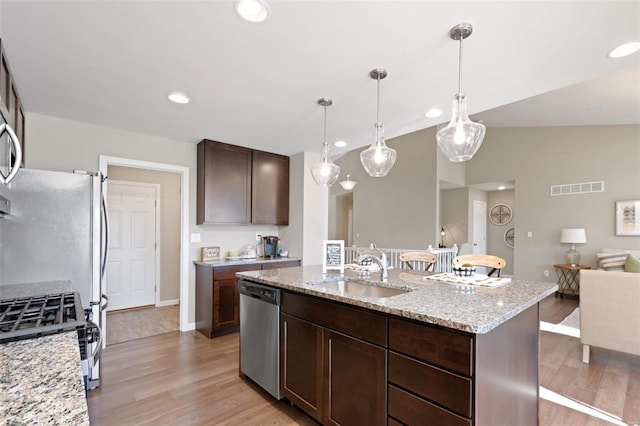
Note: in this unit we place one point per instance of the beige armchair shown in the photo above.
(609, 311)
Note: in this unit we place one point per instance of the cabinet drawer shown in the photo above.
(433, 344)
(365, 325)
(435, 384)
(229, 272)
(411, 410)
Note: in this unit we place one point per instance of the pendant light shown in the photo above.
(460, 140)
(348, 184)
(325, 173)
(378, 159)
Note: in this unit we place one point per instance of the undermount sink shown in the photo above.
(362, 289)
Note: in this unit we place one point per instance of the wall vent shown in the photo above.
(577, 188)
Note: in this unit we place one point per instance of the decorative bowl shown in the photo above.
(464, 271)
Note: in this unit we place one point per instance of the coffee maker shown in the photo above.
(270, 246)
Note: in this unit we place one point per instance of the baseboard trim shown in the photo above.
(168, 302)
(190, 327)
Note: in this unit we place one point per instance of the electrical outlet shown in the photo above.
(258, 236)
(545, 273)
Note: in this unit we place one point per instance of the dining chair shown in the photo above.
(410, 259)
(487, 260)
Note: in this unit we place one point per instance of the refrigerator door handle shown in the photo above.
(105, 241)
(106, 302)
(13, 140)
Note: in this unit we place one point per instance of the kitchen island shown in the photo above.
(437, 353)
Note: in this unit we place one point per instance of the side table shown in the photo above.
(569, 279)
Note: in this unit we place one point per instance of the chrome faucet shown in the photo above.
(380, 261)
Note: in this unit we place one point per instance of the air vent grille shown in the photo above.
(577, 188)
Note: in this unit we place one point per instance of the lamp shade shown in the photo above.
(573, 236)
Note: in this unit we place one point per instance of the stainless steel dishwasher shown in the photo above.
(260, 335)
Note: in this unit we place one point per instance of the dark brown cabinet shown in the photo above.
(456, 378)
(238, 185)
(11, 109)
(301, 358)
(224, 184)
(270, 193)
(217, 296)
(337, 378)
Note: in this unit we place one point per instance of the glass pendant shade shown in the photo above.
(378, 159)
(460, 140)
(325, 173)
(348, 184)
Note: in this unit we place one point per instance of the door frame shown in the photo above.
(106, 161)
(158, 196)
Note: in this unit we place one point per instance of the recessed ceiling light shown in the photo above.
(625, 49)
(433, 113)
(253, 11)
(179, 98)
(340, 144)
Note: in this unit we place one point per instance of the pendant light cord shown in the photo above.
(460, 66)
(378, 106)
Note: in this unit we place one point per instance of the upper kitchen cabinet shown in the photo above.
(238, 185)
(224, 183)
(270, 194)
(10, 104)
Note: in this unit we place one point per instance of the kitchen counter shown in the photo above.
(41, 379)
(41, 382)
(468, 308)
(257, 260)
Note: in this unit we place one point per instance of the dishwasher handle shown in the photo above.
(263, 293)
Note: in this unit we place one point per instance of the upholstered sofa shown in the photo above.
(609, 311)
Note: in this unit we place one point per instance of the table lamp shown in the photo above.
(573, 236)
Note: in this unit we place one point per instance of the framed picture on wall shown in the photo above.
(628, 218)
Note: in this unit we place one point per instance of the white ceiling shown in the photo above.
(112, 63)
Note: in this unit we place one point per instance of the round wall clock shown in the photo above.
(500, 214)
(509, 237)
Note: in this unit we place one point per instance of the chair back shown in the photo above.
(487, 260)
(408, 258)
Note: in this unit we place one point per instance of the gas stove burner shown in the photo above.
(27, 317)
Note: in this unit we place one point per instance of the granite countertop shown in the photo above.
(41, 382)
(41, 379)
(470, 308)
(256, 260)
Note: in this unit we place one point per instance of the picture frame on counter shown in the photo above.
(333, 256)
(208, 254)
(628, 218)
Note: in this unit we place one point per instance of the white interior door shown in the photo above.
(131, 268)
(479, 227)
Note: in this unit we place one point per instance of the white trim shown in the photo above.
(171, 302)
(105, 161)
(190, 327)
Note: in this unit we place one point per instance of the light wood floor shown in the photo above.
(183, 378)
(132, 324)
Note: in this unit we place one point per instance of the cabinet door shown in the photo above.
(301, 364)
(224, 184)
(270, 196)
(226, 301)
(355, 380)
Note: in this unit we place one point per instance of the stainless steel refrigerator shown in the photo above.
(55, 230)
